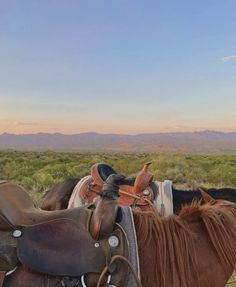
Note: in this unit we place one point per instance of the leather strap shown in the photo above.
(2, 277)
(129, 265)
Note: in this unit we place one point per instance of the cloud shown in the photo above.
(16, 123)
(229, 58)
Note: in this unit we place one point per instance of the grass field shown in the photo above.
(37, 171)
(232, 281)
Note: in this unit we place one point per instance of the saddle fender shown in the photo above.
(62, 247)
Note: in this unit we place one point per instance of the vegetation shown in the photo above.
(37, 171)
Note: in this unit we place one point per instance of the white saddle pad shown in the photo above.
(164, 201)
(75, 199)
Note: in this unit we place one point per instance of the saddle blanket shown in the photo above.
(75, 199)
(128, 226)
(164, 200)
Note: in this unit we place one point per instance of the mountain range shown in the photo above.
(203, 141)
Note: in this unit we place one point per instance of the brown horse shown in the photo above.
(196, 248)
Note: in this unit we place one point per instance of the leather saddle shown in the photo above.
(70, 242)
(136, 191)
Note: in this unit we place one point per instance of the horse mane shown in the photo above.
(174, 243)
(220, 224)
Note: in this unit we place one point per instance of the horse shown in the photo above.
(195, 248)
(59, 195)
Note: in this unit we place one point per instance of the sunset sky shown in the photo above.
(117, 66)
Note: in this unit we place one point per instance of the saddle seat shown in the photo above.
(18, 210)
(101, 171)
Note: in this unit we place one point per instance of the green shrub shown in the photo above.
(38, 171)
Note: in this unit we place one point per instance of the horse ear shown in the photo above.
(206, 197)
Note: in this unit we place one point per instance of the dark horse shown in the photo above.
(196, 248)
(58, 196)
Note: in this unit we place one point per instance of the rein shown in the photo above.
(126, 261)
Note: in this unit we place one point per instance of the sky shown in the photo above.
(117, 66)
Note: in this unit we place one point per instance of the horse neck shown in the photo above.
(170, 255)
(158, 253)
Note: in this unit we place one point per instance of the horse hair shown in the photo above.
(168, 246)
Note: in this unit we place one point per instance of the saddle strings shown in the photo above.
(138, 197)
(125, 260)
(134, 196)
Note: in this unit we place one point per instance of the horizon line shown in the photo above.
(127, 134)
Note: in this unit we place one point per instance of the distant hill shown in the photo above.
(204, 141)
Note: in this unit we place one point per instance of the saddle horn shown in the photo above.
(143, 179)
(111, 186)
